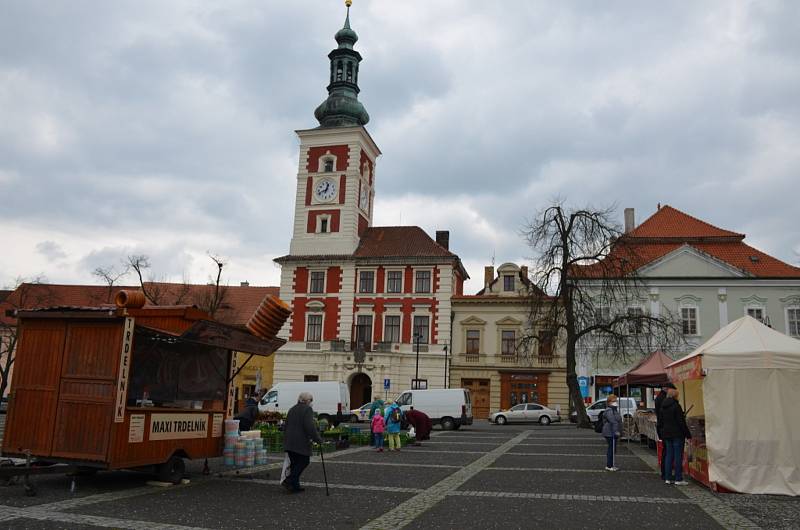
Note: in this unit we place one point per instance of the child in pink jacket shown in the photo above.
(378, 426)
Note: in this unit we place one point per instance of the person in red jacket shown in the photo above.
(422, 425)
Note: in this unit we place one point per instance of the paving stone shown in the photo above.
(574, 462)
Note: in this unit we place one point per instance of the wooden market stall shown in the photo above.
(738, 391)
(124, 387)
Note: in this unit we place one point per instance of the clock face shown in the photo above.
(363, 201)
(325, 190)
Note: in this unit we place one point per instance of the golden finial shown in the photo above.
(348, 3)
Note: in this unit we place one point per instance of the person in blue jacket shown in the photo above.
(393, 416)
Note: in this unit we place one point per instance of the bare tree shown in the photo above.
(110, 276)
(586, 271)
(211, 298)
(25, 295)
(154, 291)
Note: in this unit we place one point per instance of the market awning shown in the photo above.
(230, 338)
(650, 371)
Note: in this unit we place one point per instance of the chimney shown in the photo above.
(488, 275)
(244, 284)
(523, 272)
(630, 220)
(443, 238)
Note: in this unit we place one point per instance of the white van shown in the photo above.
(449, 407)
(331, 399)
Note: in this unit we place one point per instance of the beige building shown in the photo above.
(490, 354)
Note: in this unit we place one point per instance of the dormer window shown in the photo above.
(508, 282)
(328, 165)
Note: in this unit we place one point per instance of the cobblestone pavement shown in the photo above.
(484, 476)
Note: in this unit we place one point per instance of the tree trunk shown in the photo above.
(574, 389)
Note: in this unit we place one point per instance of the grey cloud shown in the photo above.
(51, 250)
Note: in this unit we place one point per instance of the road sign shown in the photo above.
(386, 384)
(583, 383)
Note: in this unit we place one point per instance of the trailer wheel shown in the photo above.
(172, 470)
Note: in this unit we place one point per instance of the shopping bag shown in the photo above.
(286, 468)
(411, 432)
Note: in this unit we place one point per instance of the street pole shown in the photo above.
(444, 385)
(417, 336)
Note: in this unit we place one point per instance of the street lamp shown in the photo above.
(417, 338)
(445, 366)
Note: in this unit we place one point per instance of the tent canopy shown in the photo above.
(650, 371)
(747, 343)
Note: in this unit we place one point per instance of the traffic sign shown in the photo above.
(386, 384)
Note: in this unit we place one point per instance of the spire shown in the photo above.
(342, 108)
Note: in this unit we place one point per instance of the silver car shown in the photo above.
(530, 412)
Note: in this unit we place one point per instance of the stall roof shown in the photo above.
(650, 371)
(747, 343)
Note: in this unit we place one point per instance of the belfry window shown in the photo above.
(328, 165)
(349, 71)
(339, 71)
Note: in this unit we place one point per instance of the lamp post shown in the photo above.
(445, 366)
(417, 337)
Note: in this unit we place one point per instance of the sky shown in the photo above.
(167, 128)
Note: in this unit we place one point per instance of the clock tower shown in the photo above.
(336, 171)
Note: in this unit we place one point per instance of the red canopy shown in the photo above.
(651, 371)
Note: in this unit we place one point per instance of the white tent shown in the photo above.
(751, 378)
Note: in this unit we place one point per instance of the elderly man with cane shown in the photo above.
(299, 432)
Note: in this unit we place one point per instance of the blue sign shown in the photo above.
(583, 383)
(386, 384)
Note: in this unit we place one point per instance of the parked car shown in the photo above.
(449, 407)
(331, 399)
(526, 412)
(361, 413)
(627, 407)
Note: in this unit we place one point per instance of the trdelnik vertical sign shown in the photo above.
(124, 369)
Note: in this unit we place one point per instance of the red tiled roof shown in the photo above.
(669, 229)
(399, 241)
(668, 222)
(238, 302)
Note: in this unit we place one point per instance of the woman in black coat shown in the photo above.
(674, 432)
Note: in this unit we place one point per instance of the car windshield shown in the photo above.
(366, 407)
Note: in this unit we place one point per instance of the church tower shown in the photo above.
(336, 171)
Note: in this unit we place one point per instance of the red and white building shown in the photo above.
(365, 299)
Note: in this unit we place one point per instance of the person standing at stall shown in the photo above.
(659, 401)
(393, 417)
(375, 408)
(422, 425)
(299, 432)
(612, 427)
(675, 433)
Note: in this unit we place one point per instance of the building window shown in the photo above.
(394, 282)
(793, 321)
(508, 282)
(423, 284)
(314, 331)
(366, 282)
(508, 342)
(421, 329)
(756, 312)
(317, 282)
(310, 378)
(364, 331)
(473, 341)
(689, 320)
(602, 315)
(323, 226)
(636, 325)
(328, 165)
(391, 333)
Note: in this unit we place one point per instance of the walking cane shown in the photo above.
(324, 473)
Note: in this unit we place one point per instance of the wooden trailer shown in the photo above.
(124, 387)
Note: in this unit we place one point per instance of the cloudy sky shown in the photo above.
(166, 128)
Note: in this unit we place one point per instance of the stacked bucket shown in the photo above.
(231, 438)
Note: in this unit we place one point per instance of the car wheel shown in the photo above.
(448, 424)
(353, 418)
(544, 420)
(501, 420)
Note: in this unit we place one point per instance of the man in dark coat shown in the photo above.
(247, 417)
(675, 432)
(659, 400)
(422, 425)
(299, 431)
